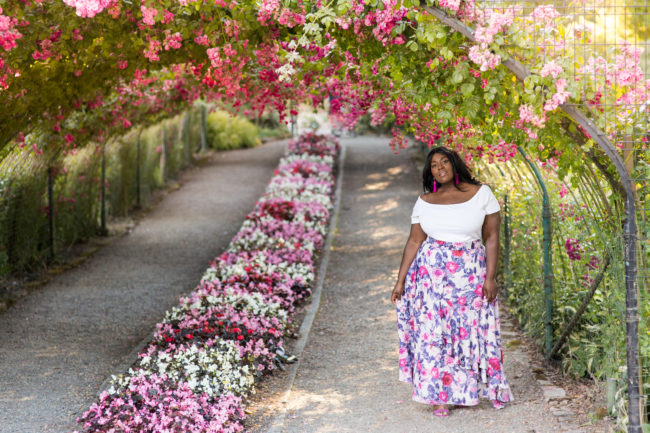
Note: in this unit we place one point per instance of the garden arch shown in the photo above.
(631, 234)
(125, 64)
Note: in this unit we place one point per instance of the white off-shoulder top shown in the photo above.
(458, 222)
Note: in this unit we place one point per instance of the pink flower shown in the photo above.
(573, 248)
(442, 396)
(545, 15)
(483, 56)
(462, 332)
(151, 53)
(552, 69)
(148, 15)
(202, 40)
(214, 56)
(88, 8)
(453, 5)
(477, 303)
(172, 41)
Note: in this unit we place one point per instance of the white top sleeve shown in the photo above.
(491, 202)
(458, 222)
(415, 215)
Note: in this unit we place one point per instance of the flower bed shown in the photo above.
(206, 353)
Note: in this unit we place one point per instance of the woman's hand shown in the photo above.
(397, 293)
(490, 289)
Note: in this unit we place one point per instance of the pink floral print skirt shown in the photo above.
(449, 338)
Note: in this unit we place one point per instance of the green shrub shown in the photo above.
(217, 125)
(225, 132)
(275, 133)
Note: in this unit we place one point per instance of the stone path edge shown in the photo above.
(278, 421)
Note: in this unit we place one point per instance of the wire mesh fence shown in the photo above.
(597, 52)
(50, 201)
(603, 45)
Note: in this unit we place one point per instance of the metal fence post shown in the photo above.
(507, 236)
(546, 245)
(203, 127)
(163, 153)
(186, 137)
(50, 207)
(138, 198)
(103, 231)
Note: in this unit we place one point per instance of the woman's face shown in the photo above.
(441, 168)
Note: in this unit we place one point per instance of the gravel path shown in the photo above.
(60, 343)
(347, 377)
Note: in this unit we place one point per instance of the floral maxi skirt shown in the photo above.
(449, 338)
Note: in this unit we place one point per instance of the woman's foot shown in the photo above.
(440, 411)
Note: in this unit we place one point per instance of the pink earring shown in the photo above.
(456, 178)
(434, 185)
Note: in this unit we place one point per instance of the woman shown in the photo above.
(446, 292)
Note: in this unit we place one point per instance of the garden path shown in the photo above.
(60, 343)
(347, 377)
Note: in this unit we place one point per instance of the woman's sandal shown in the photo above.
(441, 412)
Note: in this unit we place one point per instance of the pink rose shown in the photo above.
(442, 396)
(435, 373)
(402, 362)
(462, 300)
(463, 333)
(478, 303)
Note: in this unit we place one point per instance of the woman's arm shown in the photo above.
(491, 241)
(416, 237)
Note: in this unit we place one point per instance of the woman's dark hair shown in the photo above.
(457, 163)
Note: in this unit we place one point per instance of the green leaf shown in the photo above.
(467, 89)
(456, 77)
(412, 45)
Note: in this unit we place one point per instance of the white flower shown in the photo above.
(285, 72)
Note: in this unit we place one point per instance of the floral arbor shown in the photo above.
(564, 83)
